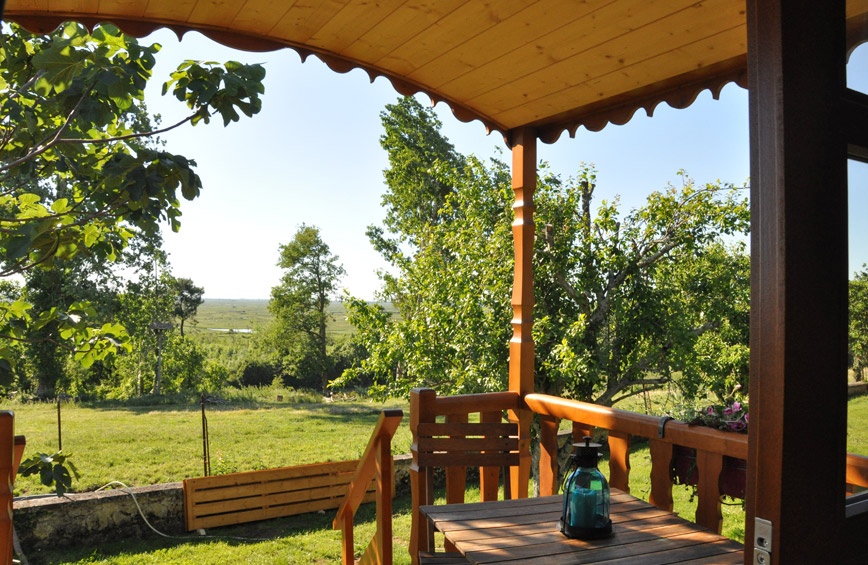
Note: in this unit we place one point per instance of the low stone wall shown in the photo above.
(94, 517)
(857, 388)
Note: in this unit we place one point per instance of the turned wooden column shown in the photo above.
(521, 349)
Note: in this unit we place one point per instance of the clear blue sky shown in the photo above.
(313, 156)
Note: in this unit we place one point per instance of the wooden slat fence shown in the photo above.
(235, 498)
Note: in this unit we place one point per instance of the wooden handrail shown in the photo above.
(711, 447)
(643, 425)
(377, 460)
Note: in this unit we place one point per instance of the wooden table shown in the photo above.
(525, 531)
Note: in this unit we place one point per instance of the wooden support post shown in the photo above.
(619, 460)
(384, 501)
(799, 292)
(521, 348)
(489, 476)
(548, 456)
(661, 479)
(421, 534)
(708, 489)
(348, 551)
(7, 477)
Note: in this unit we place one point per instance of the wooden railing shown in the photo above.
(711, 447)
(376, 462)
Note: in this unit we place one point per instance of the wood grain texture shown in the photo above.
(661, 474)
(619, 460)
(525, 531)
(553, 65)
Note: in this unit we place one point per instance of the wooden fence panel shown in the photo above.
(223, 500)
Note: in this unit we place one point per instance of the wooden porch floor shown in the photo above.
(525, 531)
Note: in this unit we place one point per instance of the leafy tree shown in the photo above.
(299, 304)
(859, 322)
(622, 303)
(76, 177)
(188, 298)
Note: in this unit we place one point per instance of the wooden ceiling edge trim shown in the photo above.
(43, 24)
(679, 92)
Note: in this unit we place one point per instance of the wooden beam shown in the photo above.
(521, 348)
(796, 55)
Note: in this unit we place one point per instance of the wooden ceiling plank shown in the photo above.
(399, 27)
(351, 23)
(305, 18)
(216, 14)
(169, 10)
(261, 17)
(532, 25)
(72, 7)
(564, 44)
(631, 49)
(130, 9)
(677, 61)
(467, 21)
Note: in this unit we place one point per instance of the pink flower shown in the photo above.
(728, 411)
(736, 406)
(745, 418)
(711, 410)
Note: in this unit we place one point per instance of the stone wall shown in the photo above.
(93, 517)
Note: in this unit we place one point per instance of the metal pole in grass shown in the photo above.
(206, 451)
(59, 437)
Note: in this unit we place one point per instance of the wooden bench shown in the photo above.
(236, 498)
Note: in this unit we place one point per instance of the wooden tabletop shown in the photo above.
(525, 531)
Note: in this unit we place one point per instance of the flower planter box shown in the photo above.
(733, 477)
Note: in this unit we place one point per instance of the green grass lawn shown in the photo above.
(144, 445)
(156, 444)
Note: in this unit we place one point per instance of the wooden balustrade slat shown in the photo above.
(463, 429)
(348, 550)
(461, 444)
(488, 476)
(708, 512)
(472, 403)
(467, 459)
(456, 477)
(385, 492)
(619, 460)
(548, 456)
(661, 477)
(581, 431)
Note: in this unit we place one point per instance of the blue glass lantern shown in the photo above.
(586, 496)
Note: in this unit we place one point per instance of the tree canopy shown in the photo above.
(77, 175)
(188, 298)
(624, 302)
(299, 304)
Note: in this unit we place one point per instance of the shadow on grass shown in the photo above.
(276, 537)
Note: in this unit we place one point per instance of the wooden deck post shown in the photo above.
(798, 334)
(421, 479)
(521, 349)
